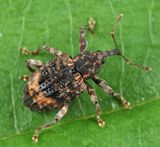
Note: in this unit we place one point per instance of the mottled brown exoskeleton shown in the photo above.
(56, 83)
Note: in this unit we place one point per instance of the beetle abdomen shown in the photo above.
(62, 82)
(34, 97)
(53, 85)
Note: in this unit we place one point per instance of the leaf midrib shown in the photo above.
(85, 117)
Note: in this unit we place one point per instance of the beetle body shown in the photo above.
(61, 80)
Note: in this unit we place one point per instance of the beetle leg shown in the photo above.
(24, 78)
(82, 39)
(30, 63)
(103, 84)
(38, 50)
(57, 118)
(26, 51)
(94, 100)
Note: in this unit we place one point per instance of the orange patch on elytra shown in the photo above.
(33, 84)
(45, 101)
(37, 94)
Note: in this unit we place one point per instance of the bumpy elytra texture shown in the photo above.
(61, 80)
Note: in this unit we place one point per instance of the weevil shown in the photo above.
(56, 83)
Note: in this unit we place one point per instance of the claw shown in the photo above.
(35, 138)
(101, 123)
(127, 105)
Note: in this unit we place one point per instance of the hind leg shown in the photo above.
(32, 64)
(56, 119)
(26, 51)
(94, 100)
(103, 84)
(51, 50)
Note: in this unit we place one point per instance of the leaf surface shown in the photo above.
(56, 23)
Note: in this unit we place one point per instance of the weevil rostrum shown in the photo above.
(56, 83)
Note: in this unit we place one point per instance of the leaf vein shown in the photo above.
(81, 108)
(21, 39)
(150, 32)
(139, 137)
(85, 117)
(13, 104)
(150, 22)
(71, 25)
(22, 29)
(11, 4)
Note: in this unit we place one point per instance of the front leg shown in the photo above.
(57, 118)
(103, 84)
(94, 100)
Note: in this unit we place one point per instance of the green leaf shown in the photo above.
(56, 23)
(138, 127)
